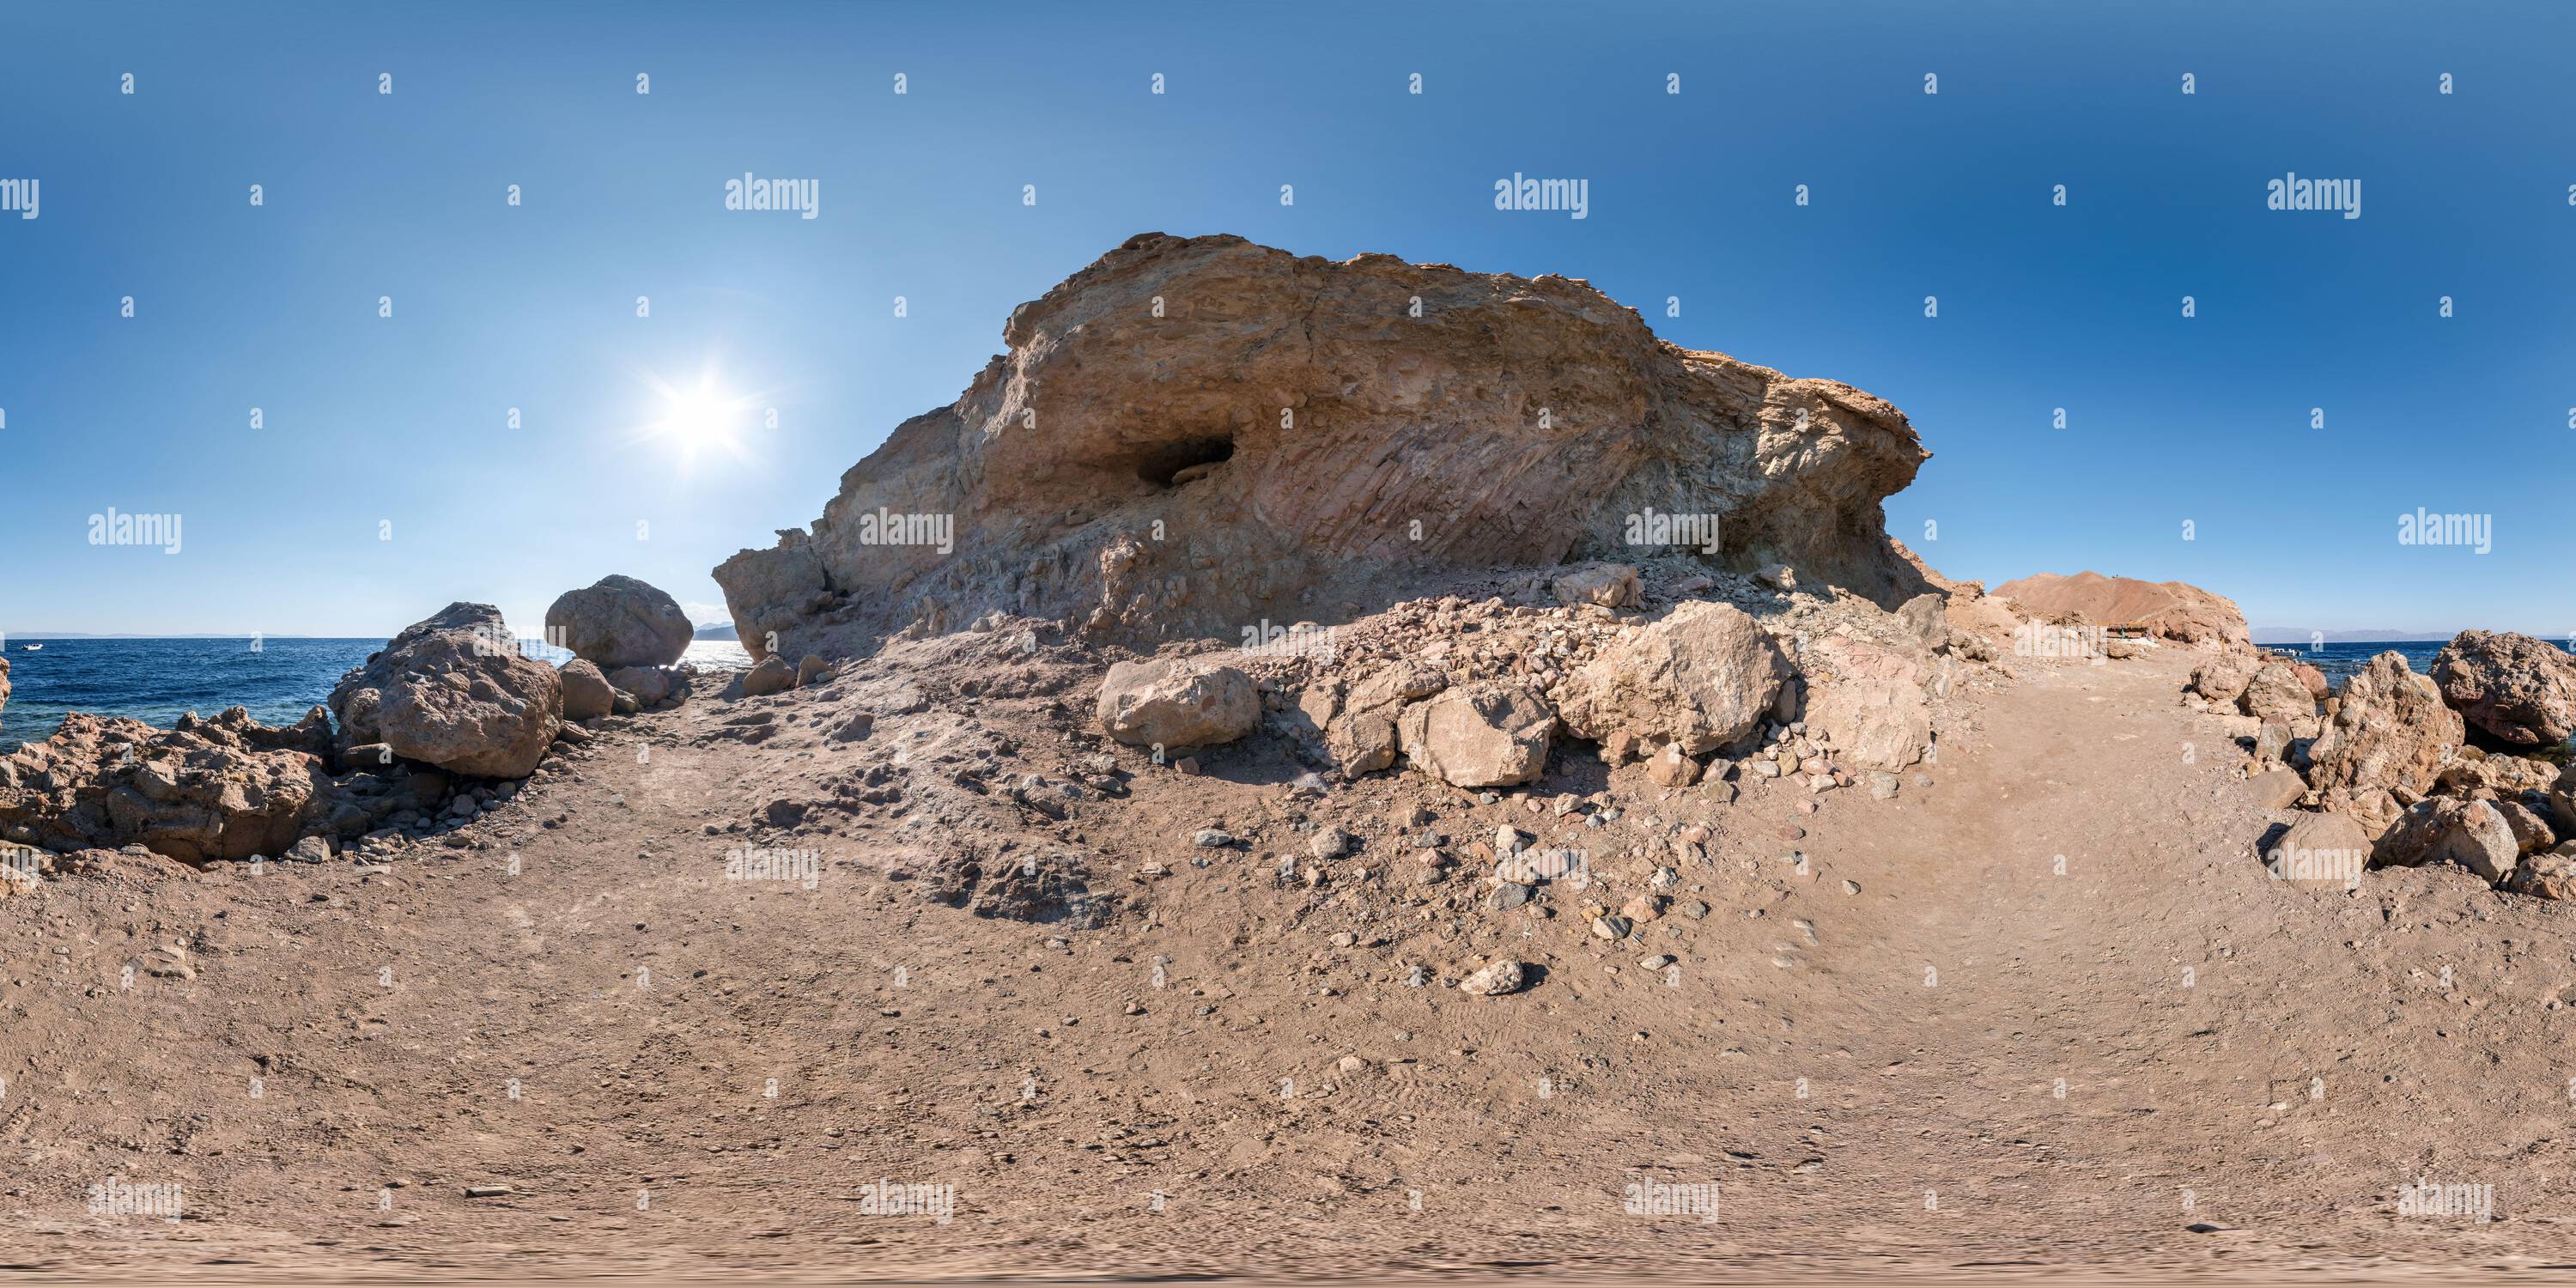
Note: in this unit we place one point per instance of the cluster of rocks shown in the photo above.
(1476, 693)
(431, 731)
(2391, 763)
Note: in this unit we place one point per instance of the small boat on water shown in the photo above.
(31, 648)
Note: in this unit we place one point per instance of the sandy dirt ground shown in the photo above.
(2042, 1015)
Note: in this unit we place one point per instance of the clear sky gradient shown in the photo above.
(373, 421)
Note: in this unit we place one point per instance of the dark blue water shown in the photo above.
(159, 680)
(2341, 660)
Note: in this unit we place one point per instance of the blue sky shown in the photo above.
(400, 421)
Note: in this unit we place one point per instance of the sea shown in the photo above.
(2339, 661)
(159, 680)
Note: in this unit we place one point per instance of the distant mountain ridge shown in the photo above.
(717, 631)
(2304, 635)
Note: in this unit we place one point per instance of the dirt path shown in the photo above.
(1876, 1088)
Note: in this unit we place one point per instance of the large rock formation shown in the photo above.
(4, 683)
(456, 692)
(1194, 434)
(2519, 689)
(2170, 609)
(619, 622)
(2390, 737)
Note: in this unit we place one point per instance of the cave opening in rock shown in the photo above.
(1162, 466)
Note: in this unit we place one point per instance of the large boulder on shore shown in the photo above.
(1176, 702)
(4, 682)
(227, 788)
(2519, 689)
(619, 622)
(2391, 732)
(1484, 735)
(454, 691)
(1288, 417)
(2171, 609)
(1702, 675)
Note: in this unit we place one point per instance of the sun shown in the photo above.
(699, 420)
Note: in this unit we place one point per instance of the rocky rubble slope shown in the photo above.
(1194, 435)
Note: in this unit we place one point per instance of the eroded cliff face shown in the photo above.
(1193, 435)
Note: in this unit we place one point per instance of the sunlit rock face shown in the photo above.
(1194, 434)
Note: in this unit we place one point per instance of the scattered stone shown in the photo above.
(771, 675)
(1494, 980)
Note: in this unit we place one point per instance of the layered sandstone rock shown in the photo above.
(2170, 609)
(620, 622)
(454, 691)
(2519, 689)
(1194, 434)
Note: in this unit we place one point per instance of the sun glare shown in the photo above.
(699, 420)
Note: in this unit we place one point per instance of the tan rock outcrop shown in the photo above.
(2520, 690)
(1702, 675)
(1177, 702)
(1194, 434)
(1869, 701)
(2173, 610)
(2390, 732)
(228, 788)
(455, 691)
(1486, 735)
